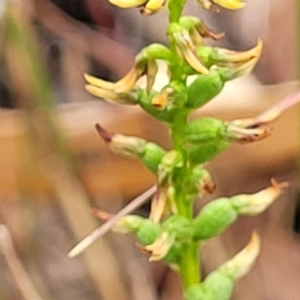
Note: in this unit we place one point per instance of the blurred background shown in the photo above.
(54, 168)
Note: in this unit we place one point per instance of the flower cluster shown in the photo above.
(171, 234)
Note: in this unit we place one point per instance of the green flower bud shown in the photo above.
(204, 88)
(173, 257)
(128, 224)
(152, 156)
(204, 130)
(155, 51)
(206, 151)
(147, 232)
(218, 285)
(198, 292)
(213, 219)
(180, 227)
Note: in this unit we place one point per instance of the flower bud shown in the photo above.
(204, 130)
(198, 292)
(148, 232)
(219, 286)
(199, 154)
(204, 88)
(129, 224)
(213, 219)
(180, 226)
(149, 153)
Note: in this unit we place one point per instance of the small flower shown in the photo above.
(118, 92)
(160, 248)
(149, 153)
(245, 135)
(161, 100)
(198, 30)
(256, 203)
(227, 58)
(186, 47)
(242, 262)
(120, 144)
(148, 7)
(152, 6)
(162, 204)
(229, 4)
(128, 3)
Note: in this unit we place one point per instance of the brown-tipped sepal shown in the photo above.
(256, 203)
(149, 153)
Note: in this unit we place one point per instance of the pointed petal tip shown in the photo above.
(105, 135)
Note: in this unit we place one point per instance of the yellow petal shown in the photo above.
(101, 93)
(127, 3)
(243, 56)
(230, 4)
(99, 82)
(160, 101)
(153, 6)
(187, 49)
(127, 83)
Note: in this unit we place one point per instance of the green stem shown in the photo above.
(190, 265)
(175, 10)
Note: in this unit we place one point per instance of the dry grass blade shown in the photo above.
(20, 277)
(97, 233)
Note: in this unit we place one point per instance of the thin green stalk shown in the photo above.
(175, 10)
(190, 265)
